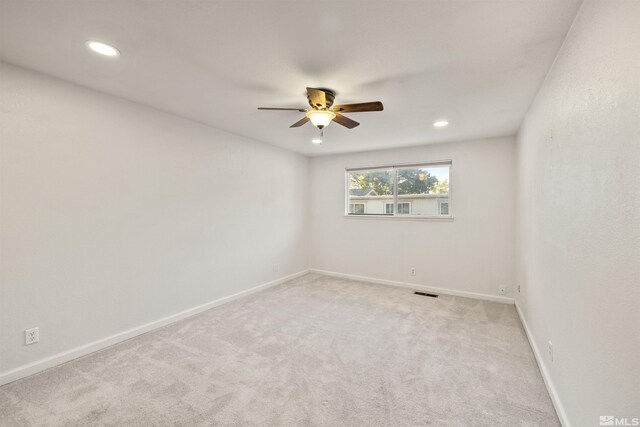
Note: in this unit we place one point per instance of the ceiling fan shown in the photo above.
(322, 110)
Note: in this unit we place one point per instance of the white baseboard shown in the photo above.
(486, 297)
(555, 399)
(57, 359)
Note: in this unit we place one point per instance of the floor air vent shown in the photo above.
(424, 294)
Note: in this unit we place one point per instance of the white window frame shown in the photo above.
(395, 215)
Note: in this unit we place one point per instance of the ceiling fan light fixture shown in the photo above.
(320, 118)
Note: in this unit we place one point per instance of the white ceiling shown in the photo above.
(476, 63)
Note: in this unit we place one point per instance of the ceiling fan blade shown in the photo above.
(345, 121)
(302, 110)
(357, 108)
(317, 97)
(300, 122)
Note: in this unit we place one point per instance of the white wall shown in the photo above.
(579, 216)
(473, 253)
(114, 215)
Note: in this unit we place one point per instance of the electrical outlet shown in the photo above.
(31, 336)
(503, 290)
(413, 271)
(550, 351)
(276, 267)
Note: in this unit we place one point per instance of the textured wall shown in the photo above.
(114, 215)
(579, 215)
(473, 253)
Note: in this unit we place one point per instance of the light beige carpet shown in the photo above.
(314, 351)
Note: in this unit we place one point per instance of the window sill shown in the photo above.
(402, 217)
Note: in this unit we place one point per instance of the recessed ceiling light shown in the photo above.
(316, 141)
(440, 124)
(102, 48)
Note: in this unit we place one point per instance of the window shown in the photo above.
(404, 208)
(372, 189)
(356, 208)
(418, 191)
(388, 207)
(444, 208)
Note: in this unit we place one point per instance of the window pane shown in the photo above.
(424, 189)
(404, 208)
(444, 208)
(370, 191)
(356, 208)
(388, 208)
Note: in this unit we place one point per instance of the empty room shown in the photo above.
(320, 213)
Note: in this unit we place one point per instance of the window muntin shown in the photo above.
(420, 190)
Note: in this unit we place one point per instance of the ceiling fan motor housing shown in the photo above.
(329, 96)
